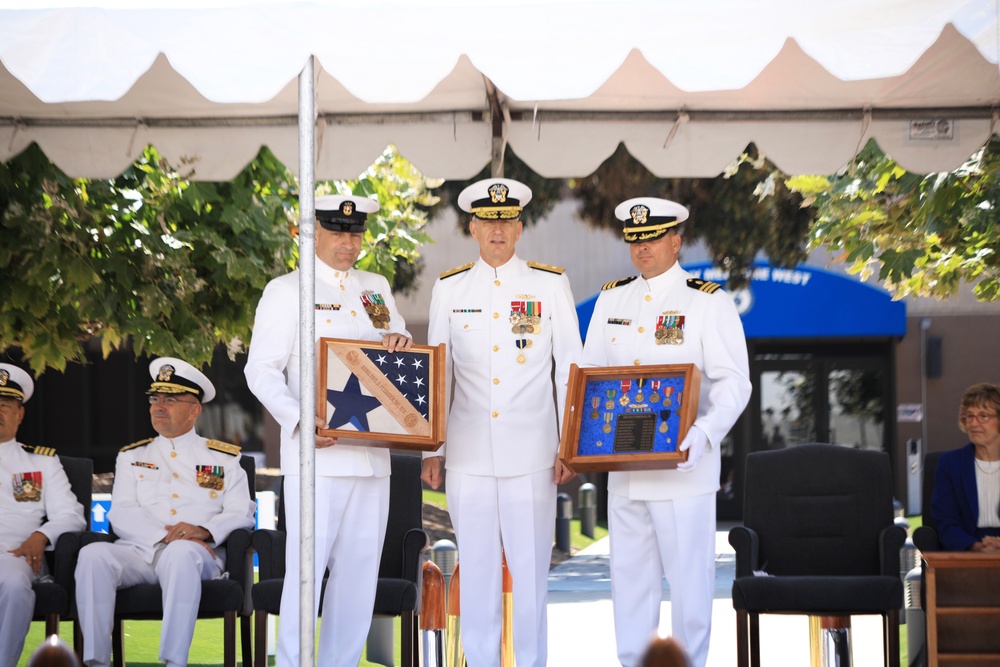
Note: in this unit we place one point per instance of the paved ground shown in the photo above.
(581, 630)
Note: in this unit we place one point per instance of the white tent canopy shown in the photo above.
(685, 85)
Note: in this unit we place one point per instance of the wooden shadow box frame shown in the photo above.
(628, 417)
(387, 399)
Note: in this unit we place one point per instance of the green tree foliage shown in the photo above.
(745, 211)
(164, 264)
(925, 235)
(395, 233)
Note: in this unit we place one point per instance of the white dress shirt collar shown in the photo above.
(665, 280)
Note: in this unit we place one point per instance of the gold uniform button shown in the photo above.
(174, 495)
(466, 326)
(354, 313)
(328, 321)
(495, 414)
(176, 475)
(173, 455)
(636, 362)
(496, 316)
(642, 329)
(172, 512)
(649, 297)
(496, 380)
(342, 288)
(142, 477)
(213, 494)
(496, 348)
(497, 283)
(613, 339)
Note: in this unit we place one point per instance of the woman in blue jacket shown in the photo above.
(966, 499)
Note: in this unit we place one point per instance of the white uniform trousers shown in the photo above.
(179, 568)
(650, 539)
(17, 603)
(351, 513)
(517, 515)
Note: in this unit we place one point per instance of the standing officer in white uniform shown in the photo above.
(352, 482)
(37, 506)
(662, 522)
(505, 321)
(176, 497)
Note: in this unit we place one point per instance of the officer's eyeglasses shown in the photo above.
(169, 401)
(981, 417)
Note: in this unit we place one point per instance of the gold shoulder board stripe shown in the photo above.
(224, 447)
(703, 285)
(37, 449)
(457, 270)
(618, 283)
(546, 267)
(136, 444)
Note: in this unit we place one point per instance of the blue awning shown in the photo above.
(804, 302)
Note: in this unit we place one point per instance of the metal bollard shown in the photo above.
(588, 509)
(915, 630)
(564, 514)
(444, 553)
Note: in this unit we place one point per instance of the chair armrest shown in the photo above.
(414, 542)
(64, 558)
(237, 546)
(270, 548)
(90, 537)
(891, 540)
(926, 539)
(747, 545)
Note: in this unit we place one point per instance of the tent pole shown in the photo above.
(307, 363)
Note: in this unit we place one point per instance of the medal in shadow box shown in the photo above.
(628, 417)
(388, 399)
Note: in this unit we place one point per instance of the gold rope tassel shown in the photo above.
(454, 653)
(432, 615)
(507, 627)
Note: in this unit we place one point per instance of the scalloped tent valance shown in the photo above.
(685, 86)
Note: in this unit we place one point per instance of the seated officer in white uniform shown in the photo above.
(37, 506)
(175, 499)
(662, 522)
(352, 481)
(506, 323)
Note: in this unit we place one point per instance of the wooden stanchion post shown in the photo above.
(454, 653)
(432, 615)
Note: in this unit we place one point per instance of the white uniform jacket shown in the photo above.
(35, 495)
(162, 482)
(622, 333)
(272, 369)
(502, 421)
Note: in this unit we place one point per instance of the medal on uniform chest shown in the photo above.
(377, 311)
(655, 386)
(626, 387)
(669, 330)
(210, 477)
(639, 396)
(525, 318)
(607, 422)
(595, 403)
(27, 486)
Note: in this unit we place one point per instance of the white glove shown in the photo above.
(694, 444)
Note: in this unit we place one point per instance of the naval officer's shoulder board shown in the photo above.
(457, 270)
(703, 285)
(37, 449)
(546, 267)
(136, 444)
(224, 447)
(618, 283)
